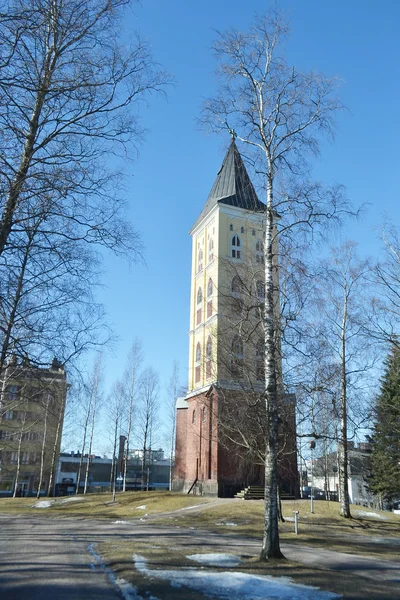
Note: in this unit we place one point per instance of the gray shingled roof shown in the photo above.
(232, 186)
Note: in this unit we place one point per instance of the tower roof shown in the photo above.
(232, 186)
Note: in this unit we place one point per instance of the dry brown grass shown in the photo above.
(101, 505)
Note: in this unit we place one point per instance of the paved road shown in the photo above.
(44, 558)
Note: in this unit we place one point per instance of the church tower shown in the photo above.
(216, 433)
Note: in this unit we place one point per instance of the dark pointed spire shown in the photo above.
(232, 186)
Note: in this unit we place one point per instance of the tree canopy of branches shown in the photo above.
(385, 438)
(70, 94)
(278, 113)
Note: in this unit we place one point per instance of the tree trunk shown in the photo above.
(43, 448)
(270, 545)
(343, 446)
(54, 452)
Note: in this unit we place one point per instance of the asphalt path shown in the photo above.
(42, 558)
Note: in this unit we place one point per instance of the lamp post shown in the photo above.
(312, 446)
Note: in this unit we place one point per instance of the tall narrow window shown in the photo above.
(235, 246)
(237, 286)
(210, 250)
(200, 260)
(260, 353)
(198, 363)
(261, 291)
(209, 298)
(237, 357)
(209, 357)
(259, 252)
(199, 305)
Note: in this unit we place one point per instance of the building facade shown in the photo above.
(220, 423)
(32, 404)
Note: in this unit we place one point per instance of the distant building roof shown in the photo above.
(232, 186)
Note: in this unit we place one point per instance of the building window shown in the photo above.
(237, 361)
(204, 414)
(242, 230)
(237, 286)
(231, 227)
(209, 288)
(200, 260)
(210, 250)
(235, 246)
(209, 357)
(9, 415)
(13, 457)
(198, 363)
(209, 309)
(199, 301)
(260, 353)
(194, 417)
(260, 291)
(259, 252)
(13, 392)
(254, 232)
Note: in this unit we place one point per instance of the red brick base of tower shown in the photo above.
(208, 463)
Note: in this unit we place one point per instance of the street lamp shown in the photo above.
(312, 447)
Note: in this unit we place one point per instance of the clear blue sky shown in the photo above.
(357, 40)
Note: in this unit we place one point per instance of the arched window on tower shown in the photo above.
(237, 357)
(260, 289)
(198, 363)
(199, 305)
(237, 286)
(260, 354)
(209, 298)
(259, 252)
(235, 246)
(209, 357)
(200, 260)
(210, 250)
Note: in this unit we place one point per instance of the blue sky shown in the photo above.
(169, 183)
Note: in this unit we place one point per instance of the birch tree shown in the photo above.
(148, 419)
(343, 308)
(131, 384)
(277, 113)
(95, 391)
(69, 92)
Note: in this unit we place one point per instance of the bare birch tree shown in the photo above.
(69, 92)
(278, 113)
(131, 384)
(95, 391)
(173, 391)
(148, 419)
(344, 311)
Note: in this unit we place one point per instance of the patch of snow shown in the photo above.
(227, 523)
(396, 512)
(142, 507)
(189, 507)
(43, 504)
(128, 591)
(216, 559)
(141, 519)
(121, 522)
(71, 499)
(290, 519)
(234, 585)
(364, 513)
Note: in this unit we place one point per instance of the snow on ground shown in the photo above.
(189, 507)
(364, 513)
(43, 504)
(142, 507)
(227, 523)
(121, 522)
(233, 585)
(216, 560)
(128, 591)
(71, 499)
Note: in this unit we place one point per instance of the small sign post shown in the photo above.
(296, 521)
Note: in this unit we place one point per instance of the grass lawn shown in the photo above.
(370, 532)
(128, 505)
